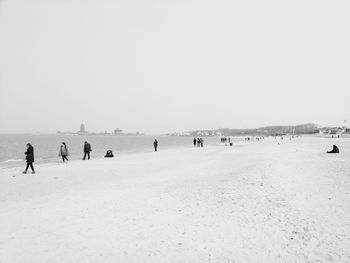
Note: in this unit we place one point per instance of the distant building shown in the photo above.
(333, 131)
(82, 128)
(118, 131)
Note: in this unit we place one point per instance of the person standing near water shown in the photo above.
(87, 150)
(155, 144)
(29, 158)
(64, 152)
(194, 142)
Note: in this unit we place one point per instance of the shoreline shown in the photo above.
(58, 162)
(259, 201)
(47, 153)
(18, 163)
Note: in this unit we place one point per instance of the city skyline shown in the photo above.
(213, 131)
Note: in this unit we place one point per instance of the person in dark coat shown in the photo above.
(194, 142)
(109, 154)
(29, 158)
(87, 150)
(155, 144)
(335, 149)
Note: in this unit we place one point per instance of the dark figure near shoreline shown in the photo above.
(194, 142)
(64, 152)
(155, 144)
(335, 149)
(29, 158)
(109, 154)
(87, 150)
(201, 141)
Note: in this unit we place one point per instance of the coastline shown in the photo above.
(255, 201)
(48, 154)
(46, 147)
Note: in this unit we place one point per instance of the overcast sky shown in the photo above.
(158, 66)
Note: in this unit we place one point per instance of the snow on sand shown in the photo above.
(254, 202)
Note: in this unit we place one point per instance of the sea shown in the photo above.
(46, 146)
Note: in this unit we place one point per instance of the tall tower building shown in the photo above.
(82, 128)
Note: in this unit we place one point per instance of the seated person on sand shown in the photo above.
(335, 149)
(109, 154)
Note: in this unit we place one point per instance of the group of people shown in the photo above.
(198, 142)
(255, 138)
(226, 140)
(64, 153)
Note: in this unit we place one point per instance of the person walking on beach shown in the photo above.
(201, 141)
(87, 150)
(194, 142)
(63, 152)
(29, 158)
(198, 142)
(155, 144)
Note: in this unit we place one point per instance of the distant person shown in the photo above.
(335, 149)
(198, 142)
(194, 142)
(63, 152)
(109, 154)
(87, 150)
(29, 158)
(155, 144)
(201, 142)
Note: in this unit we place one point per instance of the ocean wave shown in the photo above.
(12, 161)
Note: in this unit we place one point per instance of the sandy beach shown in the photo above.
(253, 202)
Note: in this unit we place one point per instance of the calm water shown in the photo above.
(46, 147)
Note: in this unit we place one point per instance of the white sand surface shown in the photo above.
(253, 202)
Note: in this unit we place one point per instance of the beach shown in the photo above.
(271, 200)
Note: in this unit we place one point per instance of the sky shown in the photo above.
(158, 66)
